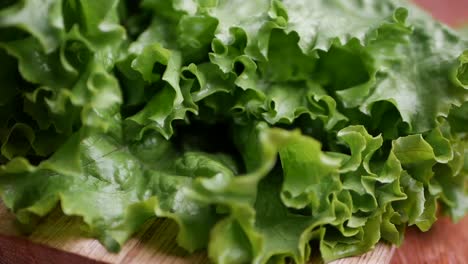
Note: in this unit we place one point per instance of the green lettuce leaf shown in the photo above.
(265, 129)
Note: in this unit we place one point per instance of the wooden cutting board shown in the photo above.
(155, 243)
(446, 242)
(59, 239)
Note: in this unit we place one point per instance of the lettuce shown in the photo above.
(256, 126)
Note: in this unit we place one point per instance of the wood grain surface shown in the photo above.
(20, 251)
(155, 243)
(446, 242)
